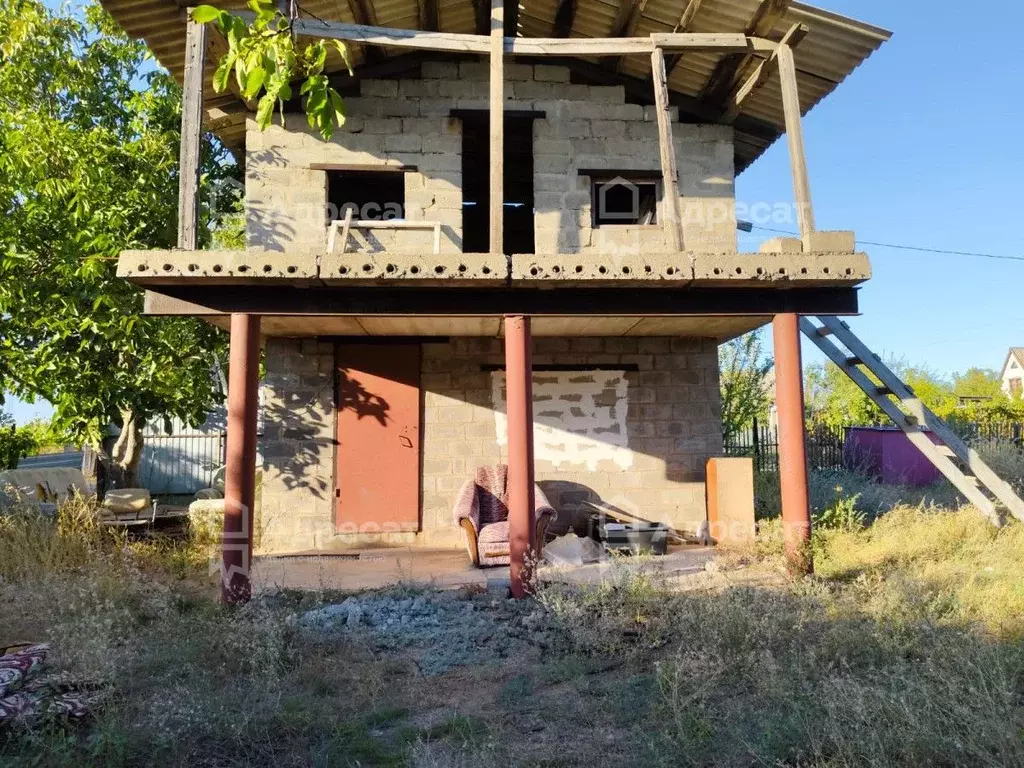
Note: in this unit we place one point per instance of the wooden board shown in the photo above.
(191, 135)
(666, 146)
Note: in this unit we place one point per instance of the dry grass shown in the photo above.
(906, 649)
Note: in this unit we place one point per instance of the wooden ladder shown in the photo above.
(956, 460)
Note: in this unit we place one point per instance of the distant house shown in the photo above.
(1012, 376)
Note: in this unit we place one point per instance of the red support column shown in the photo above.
(519, 410)
(240, 470)
(789, 399)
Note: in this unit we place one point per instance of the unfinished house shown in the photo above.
(520, 249)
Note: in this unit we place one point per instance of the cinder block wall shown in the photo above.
(668, 410)
(297, 446)
(407, 122)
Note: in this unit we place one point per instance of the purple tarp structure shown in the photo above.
(887, 454)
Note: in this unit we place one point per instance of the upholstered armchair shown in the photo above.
(481, 510)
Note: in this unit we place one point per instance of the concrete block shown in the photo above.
(518, 72)
(463, 89)
(439, 70)
(474, 70)
(782, 245)
(386, 88)
(418, 89)
(611, 129)
(403, 142)
(831, 242)
(608, 94)
(547, 73)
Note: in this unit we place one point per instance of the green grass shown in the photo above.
(906, 648)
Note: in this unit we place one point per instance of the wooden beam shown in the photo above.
(481, 17)
(670, 176)
(364, 13)
(497, 108)
(795, 135)
(689, 12)
(525, 46)
(512, 19)
(429, 15)
(565, 16)
(761, 75)
(625, 23)
(731, 68)
(626, 18)
(191, 136)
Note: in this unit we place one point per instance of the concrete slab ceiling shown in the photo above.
(715, 327)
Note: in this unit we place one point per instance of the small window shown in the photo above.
(372, 195)
(621, 201)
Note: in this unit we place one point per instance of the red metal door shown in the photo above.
(378, 469)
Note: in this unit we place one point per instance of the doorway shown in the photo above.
(377, 478)
(476, 183)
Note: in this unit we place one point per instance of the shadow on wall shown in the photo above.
(353, 396)
(267, 223)
(289, 205)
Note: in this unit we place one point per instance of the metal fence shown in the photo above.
(179, 459)
(760, 442)
(181, 463)
(989, 431)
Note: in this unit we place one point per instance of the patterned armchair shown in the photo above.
(481, 510)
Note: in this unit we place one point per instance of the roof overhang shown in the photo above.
(702, 85)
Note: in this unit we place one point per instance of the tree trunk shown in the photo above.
(126, 452)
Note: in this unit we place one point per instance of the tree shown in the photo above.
(264, 59)
(833, 399)
(15, 442)
(89, 136)
(745, 380)
(978, 383)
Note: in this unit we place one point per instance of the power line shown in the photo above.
(919, 249)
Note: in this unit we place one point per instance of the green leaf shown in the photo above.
(317, 100)
(337, 105)
(240, 73)
(203, 14)
(343, 52)
(254, 82)
(264, 111)
(220, 77)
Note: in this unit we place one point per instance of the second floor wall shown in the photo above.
(582, 169)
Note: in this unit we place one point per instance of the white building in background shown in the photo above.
(1012, 376)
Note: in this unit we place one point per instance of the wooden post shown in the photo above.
(191, 135)
(789, 399)
(795, 136)
(497, 111)
(669, 173)
(519, 417)
(240, 458)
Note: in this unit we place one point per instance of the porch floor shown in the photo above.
(440, 569)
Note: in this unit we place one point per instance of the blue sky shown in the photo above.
(921, 147)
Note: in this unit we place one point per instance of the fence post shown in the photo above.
(757, 446)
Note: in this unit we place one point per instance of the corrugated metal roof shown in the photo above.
(834, 47)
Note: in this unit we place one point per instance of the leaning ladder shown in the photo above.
(957, 461)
